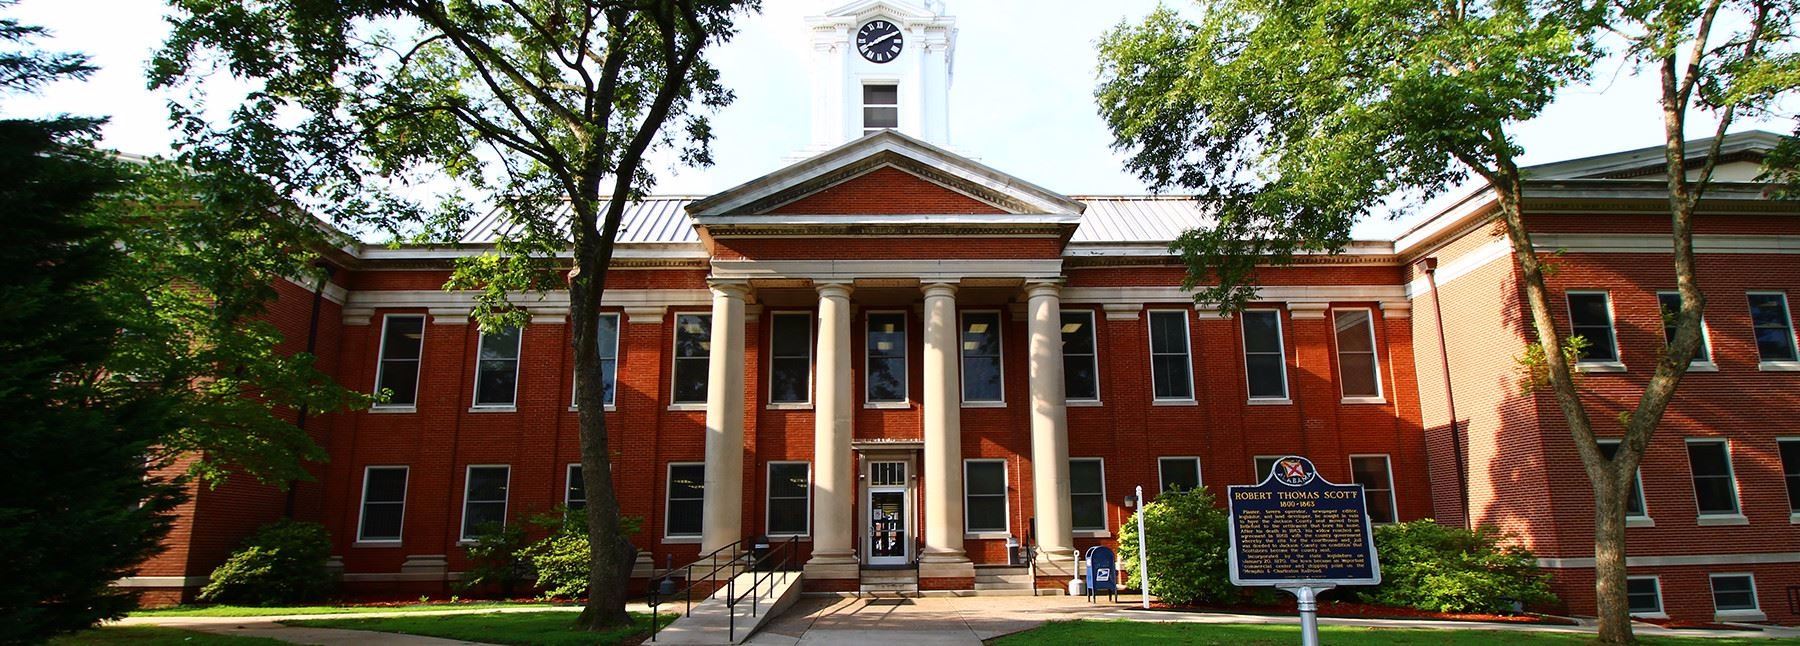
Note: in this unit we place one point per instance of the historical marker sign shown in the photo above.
(1297, 530)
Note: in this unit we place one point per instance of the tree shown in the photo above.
(407, 115)
(1294, 119)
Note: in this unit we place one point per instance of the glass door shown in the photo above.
(888, 533)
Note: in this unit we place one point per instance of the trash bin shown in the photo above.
(759, 554)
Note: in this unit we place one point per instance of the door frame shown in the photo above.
(910, 522)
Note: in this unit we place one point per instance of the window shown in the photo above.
(397, 373)
(1634, 506)
(881, 107)
(1790, 469)
(984, 496)
(1733, 592)
(1171, 372)
(1373, 473)
(1714, 490)
(1670, 304)
(982, 380)
(1178, 473)
(1081, 362)
(1774, 329)
(1590, 317)
(1359, 373)
(1265, 363)
(789, 489)
(687, 500)
(383, 504)
(1643, 595)
(575, 494)
(693, 357)
(886, 376)
(1087, 493)
(497, 368)
(484, 499)
(1264, 465)
(790, 358)
(607, 345)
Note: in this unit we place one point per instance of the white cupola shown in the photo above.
(881, 64)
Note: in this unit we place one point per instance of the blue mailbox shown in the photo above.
(1102, 572)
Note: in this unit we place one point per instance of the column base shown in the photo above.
(1059, 562)
(816, 570)
(947, 575)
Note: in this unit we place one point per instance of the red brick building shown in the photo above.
(907, 358)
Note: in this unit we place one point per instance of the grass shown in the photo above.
(270, 611)
(1142, 632)
(156, 636)
(548, 628)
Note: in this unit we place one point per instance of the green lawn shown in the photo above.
(1142, 632)
(548, 628)
(156, 636)
(269, 611)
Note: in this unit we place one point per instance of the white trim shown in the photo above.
(1280, 349)
(1322, 295)
(1793, 340)
(1750, 558)
(675, 360)
(1093, 333)
(362, 507)
(1616, 363)
(381, 358)
(811, 370)
(1380, 396)
(1793, 505)
(862, 99)
(1463, 265)
(1662, 243)
(924, 271)
(1005, 497)
(1740, 613)
(568, 479)
(162, 581)
(1638, 479)
(465, 300)
(1187, 353)
(962, 359)
(475, 389)
(618, 331)
(1200, 480)
(1657, 580)
(905, 400)
(769, 498)
(1737, 498)
(1387, 465)
(505, 503)
(1104, 524)
(1698, 364)
(669, 499)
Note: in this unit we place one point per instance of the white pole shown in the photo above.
(1143, 550)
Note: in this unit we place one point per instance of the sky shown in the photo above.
(1022, 99)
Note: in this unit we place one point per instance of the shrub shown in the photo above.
(1188, 544)
(496, 559)
(282, 563)
(1429, 566)
(561, 559)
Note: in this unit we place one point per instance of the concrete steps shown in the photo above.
(1003, 579)
(713, 622)
(900, 583)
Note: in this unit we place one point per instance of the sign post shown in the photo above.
(1297, 532)
(1143, 551)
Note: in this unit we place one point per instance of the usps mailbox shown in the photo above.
(1102, 573)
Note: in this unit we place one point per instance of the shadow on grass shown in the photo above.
(548, 628)
(1144, 632)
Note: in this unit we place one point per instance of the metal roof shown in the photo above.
(658, 219)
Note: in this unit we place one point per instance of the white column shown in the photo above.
(722, 523)
(834, 482)
(1049, 429)
(943, 432)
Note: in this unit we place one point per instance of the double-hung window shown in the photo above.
(484, 499)
(383, 505)
(1265, 363)
(1377, 478)
(497, 368)
(1171, 369)
(575, 492)
(886, 376)
(687, 500)
(790, 358)
(1774, 328)
(1178, 473)
(1634, 505)
(1715, 490)
(1265, 464)
(1790, 471)
(1590, 317)
(984, 496)
(789, 488)
(607, 346)
(1081, 362)
(693, 357)
(1087, 494)
(1643, 595)
(880, 107)
(1669, 304)
(1734, 593)
(1359, 372)
(397, 372)
(982, 379)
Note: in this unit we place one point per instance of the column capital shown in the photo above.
(939, 289)
(833, 289)
(1042, 288)
(739, 289)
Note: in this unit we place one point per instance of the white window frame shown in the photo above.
(1187, 351)
(1287, 391)
(769, 498)
(1199, 472)
(381, 362)
(475, 388)
(1697, 365)
(1388, 466)
(505, 503)
(619, 332)
(1660, 612)
(675, 359)
(1753, 613)
(1380, 396)
(1104, 525)
(1634, 520)
(362, 508)
(1256, 469)
(1005, 497)
(811, 371)
(905, 400)
(1736, 515)
(669, 498)
(1615, 364)
(862, 104)
(962, 358)
(568, 479)
(1787, 307)
(1793, 503)
(1094, 358)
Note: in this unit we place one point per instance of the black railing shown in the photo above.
(1793, 599)
(728, 559)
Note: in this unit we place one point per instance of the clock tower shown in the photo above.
(881, 64)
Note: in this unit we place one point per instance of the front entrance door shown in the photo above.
(889, 533)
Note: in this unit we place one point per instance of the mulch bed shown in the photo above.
(1694, 625)
(1290, 607)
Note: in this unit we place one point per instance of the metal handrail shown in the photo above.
(687, 591)
(787, 551)
(739, 557)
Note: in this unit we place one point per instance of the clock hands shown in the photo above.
(865, 47)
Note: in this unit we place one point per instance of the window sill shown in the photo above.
(1092, 533)
(1364, 400)
(1174, 402)
(608, 408)
(1650, 615)
(1779, 366)
(1599, 366)
(980, 536)
(493, 409)
(888, 405)
(1269, 402)
(393, 543)
(783, 538)
(682, 407)
(788, 406)
(1720, 520)
(1739, 615)
(1639, 521)
(681, 540)
(1794, 518)
(1083, 403)
(393, 410)
(1703, 366)
(984, 404)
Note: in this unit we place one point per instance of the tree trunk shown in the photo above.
(611, 553)
(1611, 605)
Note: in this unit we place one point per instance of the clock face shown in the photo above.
(879, 41)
